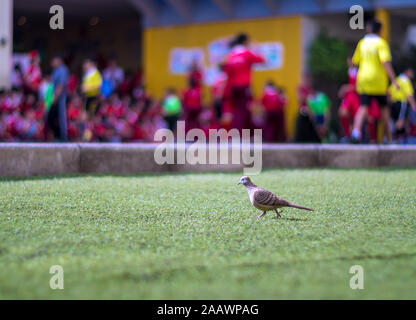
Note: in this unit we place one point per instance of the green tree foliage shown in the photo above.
(328, 59)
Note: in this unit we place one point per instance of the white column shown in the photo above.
(6, 41)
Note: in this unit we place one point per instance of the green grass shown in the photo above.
(193, 236)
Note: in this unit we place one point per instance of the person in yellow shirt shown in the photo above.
(401, 98)
(372, 56)
(91, 86)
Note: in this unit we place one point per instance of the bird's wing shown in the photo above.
(266, 198)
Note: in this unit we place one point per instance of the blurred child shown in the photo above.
(195, 74)
(350, 100)
(11, 100)
(192, 104)
(304, 90)
(12, 126)
(73, 83)
(305, 129)
(91, 86)
(28, 127)
(33, 75)
(274, 102)
(123, 107)
(29, 103)
(402, 101)
(319, 104)
(123, 130)
(132, 117)
(114, 107)
(46, 90)
(172, 109)
(5, 101)
(141, 95)
(238, 67)
(102, 128)
(351, 103)
(218, 92)
(77, 118)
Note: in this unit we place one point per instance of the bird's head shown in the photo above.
(244, 181)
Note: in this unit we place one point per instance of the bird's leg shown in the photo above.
(277, 214)
(261, 215)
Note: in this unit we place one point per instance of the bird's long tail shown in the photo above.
(299, 207)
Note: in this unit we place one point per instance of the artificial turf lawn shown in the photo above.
(194, 236)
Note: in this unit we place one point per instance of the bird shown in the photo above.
(265, 200)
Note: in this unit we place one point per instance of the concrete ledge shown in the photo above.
(290, 155)
(41, 159)
(118, 158)
(391, 156)
(348, 156)
(31, 159)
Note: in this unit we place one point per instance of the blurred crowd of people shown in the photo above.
(368, 101)
(375, 95)
(59, 106)
(107, 105)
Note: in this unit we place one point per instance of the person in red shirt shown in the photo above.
(192, 103)
(12, 122)
(73, 83)
(195, 74)
(238, 67)
(274, 102)
(114, 107)
(11, 101)
(33, 75)
(350, 100)
(218, 93)
(77, 117)
(351, 103)
(28, 103)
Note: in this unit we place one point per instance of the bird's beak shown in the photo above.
(239, 182)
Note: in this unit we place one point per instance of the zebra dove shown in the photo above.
(265, 200)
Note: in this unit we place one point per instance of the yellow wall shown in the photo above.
(159, 41)
(384, 16)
